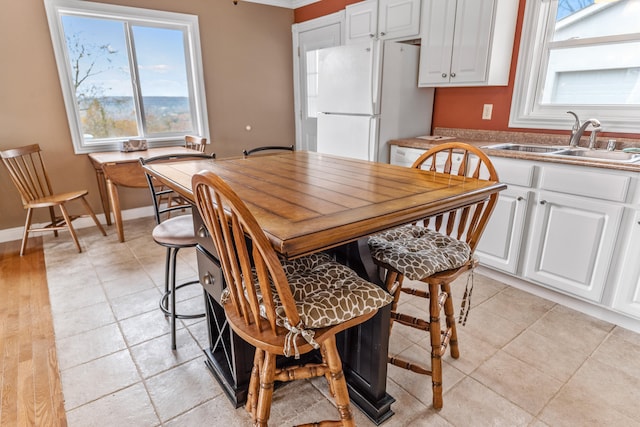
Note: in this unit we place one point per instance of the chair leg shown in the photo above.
(254, 383)
(172, 297)
(393, 283)
(451, 321)
(339, 382)
(67, 219)
(93, 215)
(52, 215)
(25, 235)
(436, 341)
(267, 373)
(327, 375)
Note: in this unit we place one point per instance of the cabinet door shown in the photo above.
(471, 40)
(438, 23)
(500, 244)
(627, 298)
(572, 243)
(361, 21)
(398, 18)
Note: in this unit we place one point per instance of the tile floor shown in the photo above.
(524, 361)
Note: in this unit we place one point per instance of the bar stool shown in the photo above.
(174, 233)
(436, 253)
(282, 307)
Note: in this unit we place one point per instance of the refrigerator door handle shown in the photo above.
(373, 138)
(375, 69)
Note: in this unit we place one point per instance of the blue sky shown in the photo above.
(160, 54)
(567, 7)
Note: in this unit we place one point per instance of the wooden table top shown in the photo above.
(307, 202)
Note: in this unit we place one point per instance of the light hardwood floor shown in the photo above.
(31, 392)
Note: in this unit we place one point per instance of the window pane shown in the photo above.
(579, 19)
(100, 75)
(594, 75)
(162, 72)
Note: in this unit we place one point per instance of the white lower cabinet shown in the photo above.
(560, 226)
(571, 229)
(572, 241)
(627, 296)
(501, 242)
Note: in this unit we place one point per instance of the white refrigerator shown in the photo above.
(367, 95)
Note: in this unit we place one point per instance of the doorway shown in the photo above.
(308, 37)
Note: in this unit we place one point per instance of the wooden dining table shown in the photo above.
(308, 202)
(122, 169)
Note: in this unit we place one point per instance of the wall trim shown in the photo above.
(11, 234)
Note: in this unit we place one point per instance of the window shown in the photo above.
(127, 73)
(579, 55)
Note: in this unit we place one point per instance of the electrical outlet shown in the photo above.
(487, 110)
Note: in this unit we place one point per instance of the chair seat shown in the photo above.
(175, 232)
(55, 199)
(418, 252)
(327, 293)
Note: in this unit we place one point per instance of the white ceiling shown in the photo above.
(291, 4)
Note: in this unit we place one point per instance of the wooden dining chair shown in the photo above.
(174, 233)
(436, 252)
(268, 148)
(282, 307)
(29, 175)
(195, 142)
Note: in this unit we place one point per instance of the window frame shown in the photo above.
(526, 109)
(160, 19)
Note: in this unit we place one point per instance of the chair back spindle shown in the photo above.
(467, 223)
(193, 142)
(28, 173)
(249, 268)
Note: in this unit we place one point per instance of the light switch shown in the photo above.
(487, 110)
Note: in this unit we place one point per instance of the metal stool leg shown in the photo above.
(168, 301)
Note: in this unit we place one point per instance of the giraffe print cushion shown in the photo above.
(417, 252)
(328, 293)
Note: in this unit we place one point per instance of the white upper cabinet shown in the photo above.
(467, 42)
(383, 19)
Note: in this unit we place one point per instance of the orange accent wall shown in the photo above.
(460, 108)
(320, 8)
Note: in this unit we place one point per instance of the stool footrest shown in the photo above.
(164, 303)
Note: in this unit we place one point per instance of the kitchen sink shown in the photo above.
(611, 156)
(526, 148)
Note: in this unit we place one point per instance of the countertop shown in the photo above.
(427, 143)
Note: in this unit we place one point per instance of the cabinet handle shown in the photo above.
(372, 35)
(543, 202)
(382, 33)
(208, 279)
(444, 75)
(520, 198)
(202, 231)
(453, 74)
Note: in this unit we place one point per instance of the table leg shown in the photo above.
(104, 196)
(115, 204)
(364, 348)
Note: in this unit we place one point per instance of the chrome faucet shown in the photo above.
(578, 129)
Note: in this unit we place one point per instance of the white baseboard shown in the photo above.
(11, 234)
